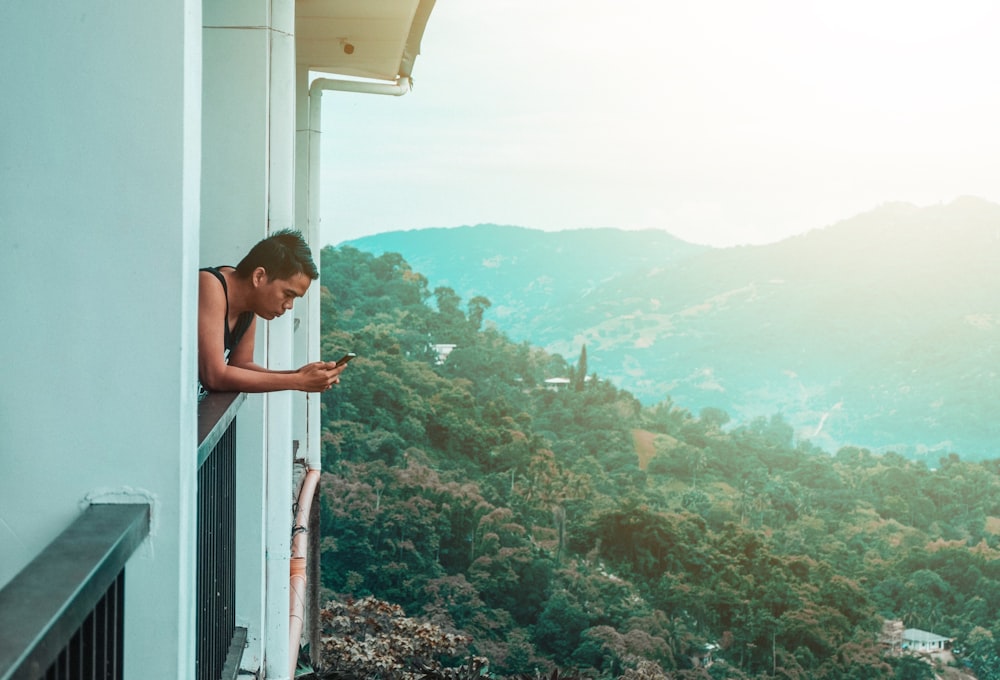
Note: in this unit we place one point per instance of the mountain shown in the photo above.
(529, 275)
(880, 331)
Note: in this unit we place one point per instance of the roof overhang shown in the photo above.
(378, 39)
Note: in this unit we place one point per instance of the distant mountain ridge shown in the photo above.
(882, 330)
(528, 274)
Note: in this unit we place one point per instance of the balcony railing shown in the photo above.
(61, 617)
(220, 642)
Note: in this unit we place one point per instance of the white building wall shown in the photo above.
(99, 174)
(247, 192)
(234, 217)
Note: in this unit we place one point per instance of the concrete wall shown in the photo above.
(248, 191)
(99, 194)
(139, 141)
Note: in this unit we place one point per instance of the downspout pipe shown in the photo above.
(297, 590)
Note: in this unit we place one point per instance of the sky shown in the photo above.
(722, 122)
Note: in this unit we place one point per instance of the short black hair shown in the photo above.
(283, 254)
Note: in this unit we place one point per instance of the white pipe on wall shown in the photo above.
(313, 453)
(401, 87)
(297, 584)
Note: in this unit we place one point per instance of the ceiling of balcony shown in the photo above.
(365, 38)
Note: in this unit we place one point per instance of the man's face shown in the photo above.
(276, 296)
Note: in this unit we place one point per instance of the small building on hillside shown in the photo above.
(556, 384)
(916, 640)
(442, 350)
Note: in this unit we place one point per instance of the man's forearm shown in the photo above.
(253, 378)
(257, 367)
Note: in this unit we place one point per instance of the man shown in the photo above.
(265, 283)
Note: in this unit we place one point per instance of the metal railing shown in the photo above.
(62, 616)
(219, 642)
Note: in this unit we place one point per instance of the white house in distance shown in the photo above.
(442, 350)
(898, 639)
(142, 534)
(916, 640)
(556, 384)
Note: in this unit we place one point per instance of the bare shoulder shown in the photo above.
(209, 274)
(211, 279)
(210, 290)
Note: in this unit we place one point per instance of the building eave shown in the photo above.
(377, 39)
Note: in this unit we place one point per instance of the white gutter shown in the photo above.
(400, 87)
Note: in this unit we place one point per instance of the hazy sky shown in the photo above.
(719, 121)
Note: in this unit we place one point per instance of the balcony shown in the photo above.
(219, 641)
(62, 616)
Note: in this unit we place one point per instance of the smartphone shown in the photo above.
(344, 359)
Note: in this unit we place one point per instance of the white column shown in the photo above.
(280, 345)
(307, 342)
(236, 213)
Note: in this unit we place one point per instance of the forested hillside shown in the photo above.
(539, 282)
(575, 528)
(880, 331)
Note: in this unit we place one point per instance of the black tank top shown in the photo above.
(232, 336)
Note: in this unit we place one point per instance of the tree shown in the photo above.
(713, 418)
(981, 651)
(477, 308)
(369, 638)
(581, 370)
(908, 667)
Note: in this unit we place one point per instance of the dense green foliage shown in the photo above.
(577, 529)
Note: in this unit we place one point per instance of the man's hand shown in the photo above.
(319, 376)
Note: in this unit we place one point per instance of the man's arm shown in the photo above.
(241, 374)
